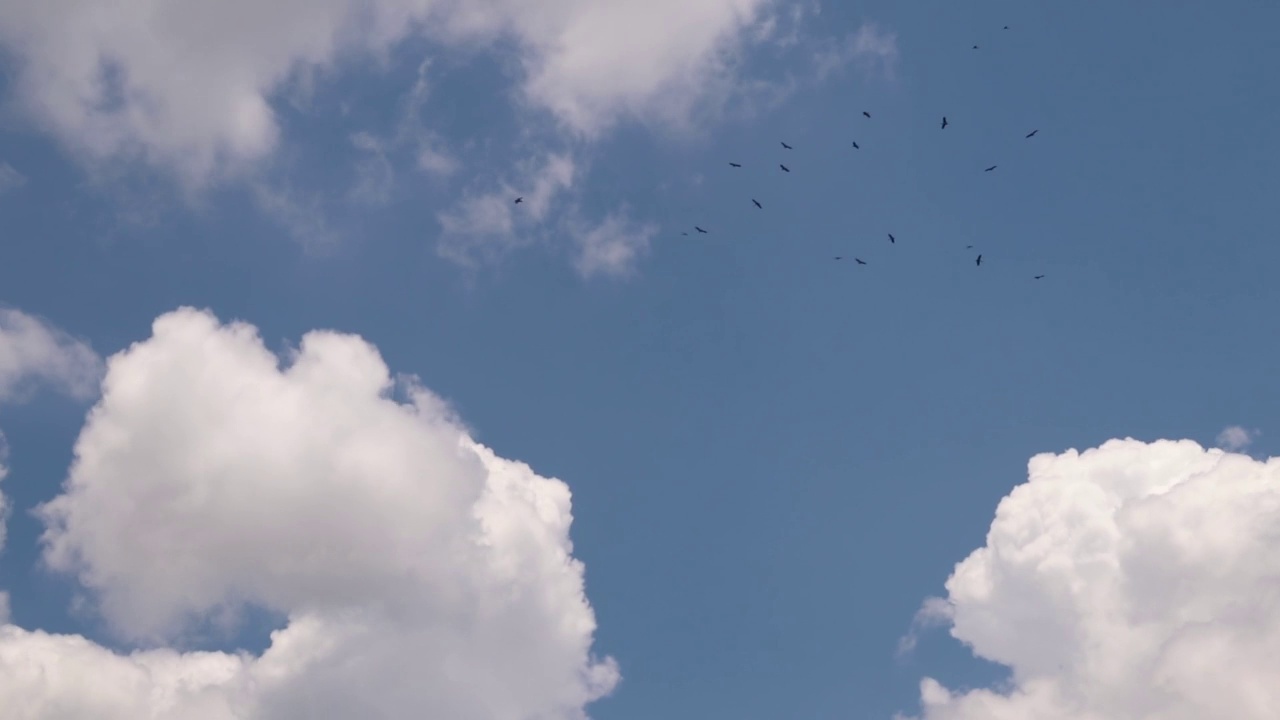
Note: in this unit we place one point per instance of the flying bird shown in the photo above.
(993, 167)
(891, 238)
(787, 146)
(979, 262)
(855, 146)
(695, 227)
(1038, 277)
(1032, 133)
(1006, 27)
(968, 247)
(975, 47)
(519, 200)
(734, 165)
(784, 167)
(944, 122)
(685, 234)
(757, 202)
(864, 112)
(861, 262)
(839, 257)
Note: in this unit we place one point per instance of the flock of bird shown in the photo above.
(892, 239)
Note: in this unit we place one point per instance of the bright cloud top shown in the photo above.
(187, 84)
(33, 351)
(1133, 581)
(419, 572)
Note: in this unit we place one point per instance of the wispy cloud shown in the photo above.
(935, 612)
(1236, 438)
(612, 247)
(10, 178)
(871, 49)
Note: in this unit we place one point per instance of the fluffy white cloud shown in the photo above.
(33, 351)
(1133, 581)
(1236, 438)
(188, 84)
(612, 247)
(10, 178)
(419, 572)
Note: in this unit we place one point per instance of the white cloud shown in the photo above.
(419, 572)
(188, 86)
(1236, 438)
(612, 247)
(871, 49)
(935, 612)
(33, 351)
(485, 226)
(1133, 581)
(10, 178)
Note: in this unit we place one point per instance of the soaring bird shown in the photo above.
(839, 257)
(786, 146)
(861, 262)
(891, 238)
(979, 261)
(519, 200)
(975, 47)
(864, 112)
(968, 247)
(993, 167)
(695, 227)
(784, 167)
(1032, 133)
(757, 202)
(734, 165)
(855, 145)
(1038, 277)
(1006, 27)
(685, 234)
(944, 122)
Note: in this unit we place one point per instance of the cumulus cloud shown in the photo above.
(33, 352)
(1236, 438)
(418, 571)
(1134, 581)
(188, 86)
(612, 247)
(10, 178)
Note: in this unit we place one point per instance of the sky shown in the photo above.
(304, 416)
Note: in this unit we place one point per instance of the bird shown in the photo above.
(861, 262)
(784, 167)
(839, 257)
(944, 122)
(1032, 133)
(1006, 27)
(757, 202)
(855, 146)
(968, 247)
(685, 234)
(1038, 277)
(787, 146)
(519, 200)
(732, 164)
(891, 238)
(864, 112)
(695, 227)
(975, 47)
(979, 261)
(993, 167)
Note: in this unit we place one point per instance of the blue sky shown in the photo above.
(774, 457)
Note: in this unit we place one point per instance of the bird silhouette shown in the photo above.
(695, 227)
(979, 261)
(519, 200)
(787, 146)
(861, 262)
(944, 122)
(891, 238)
(784, 167)
(1038, 277)
(734, 165)
(975, 47)
(968, 247)
(1006, 27)
(993, 167)
(855, 146)
(839, 257)
(757, 202)
(864, 112)
(685, 234)
(1032, 133)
